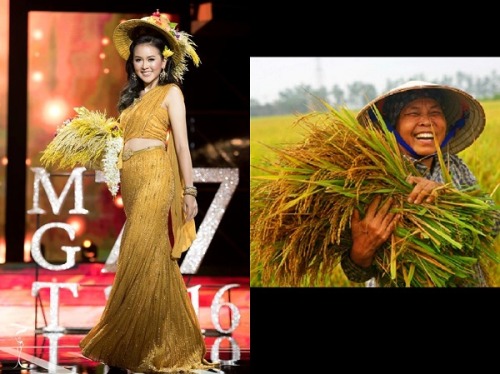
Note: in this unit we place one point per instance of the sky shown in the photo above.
(271, 75)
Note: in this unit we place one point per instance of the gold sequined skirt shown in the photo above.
(149, 323)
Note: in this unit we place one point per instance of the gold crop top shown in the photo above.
(146, 118)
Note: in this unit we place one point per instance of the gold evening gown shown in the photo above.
(149, 323)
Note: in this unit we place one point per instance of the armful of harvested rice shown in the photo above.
(300, 212)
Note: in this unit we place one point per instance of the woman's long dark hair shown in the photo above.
(133, 87)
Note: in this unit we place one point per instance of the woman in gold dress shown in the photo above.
(149, 323)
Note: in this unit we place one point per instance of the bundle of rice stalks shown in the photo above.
(92, 140)
(302, 205)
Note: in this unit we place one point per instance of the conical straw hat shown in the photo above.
(456, 104)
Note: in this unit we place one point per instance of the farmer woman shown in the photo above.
(422, 116)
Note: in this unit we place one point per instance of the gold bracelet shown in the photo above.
(192, 193)
(191, 190)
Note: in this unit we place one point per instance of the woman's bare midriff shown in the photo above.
(137, 144)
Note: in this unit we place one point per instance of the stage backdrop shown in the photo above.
(4, 58)
(72, 63)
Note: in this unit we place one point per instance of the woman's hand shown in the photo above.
(190, 207)
(369, 233)
(424, 189)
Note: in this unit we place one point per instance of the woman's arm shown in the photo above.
(177, 113)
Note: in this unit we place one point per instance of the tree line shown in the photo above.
(304, 98)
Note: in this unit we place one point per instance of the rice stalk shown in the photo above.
(81, 140)
(301, 209)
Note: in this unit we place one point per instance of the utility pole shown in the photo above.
(319, 82)
(319, 73)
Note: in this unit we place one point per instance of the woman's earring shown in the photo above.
(163, 75)
(133, 77)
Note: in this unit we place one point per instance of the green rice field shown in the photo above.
(481, 158)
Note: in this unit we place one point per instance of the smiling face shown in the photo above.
(418, 122)
(148, 63)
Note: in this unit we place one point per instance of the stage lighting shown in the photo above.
(89, 251)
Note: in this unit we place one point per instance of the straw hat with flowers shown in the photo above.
(179, 43)
(302, 202)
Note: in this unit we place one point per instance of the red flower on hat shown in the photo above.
(161, 20)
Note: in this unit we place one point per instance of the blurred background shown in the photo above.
(284, 85)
